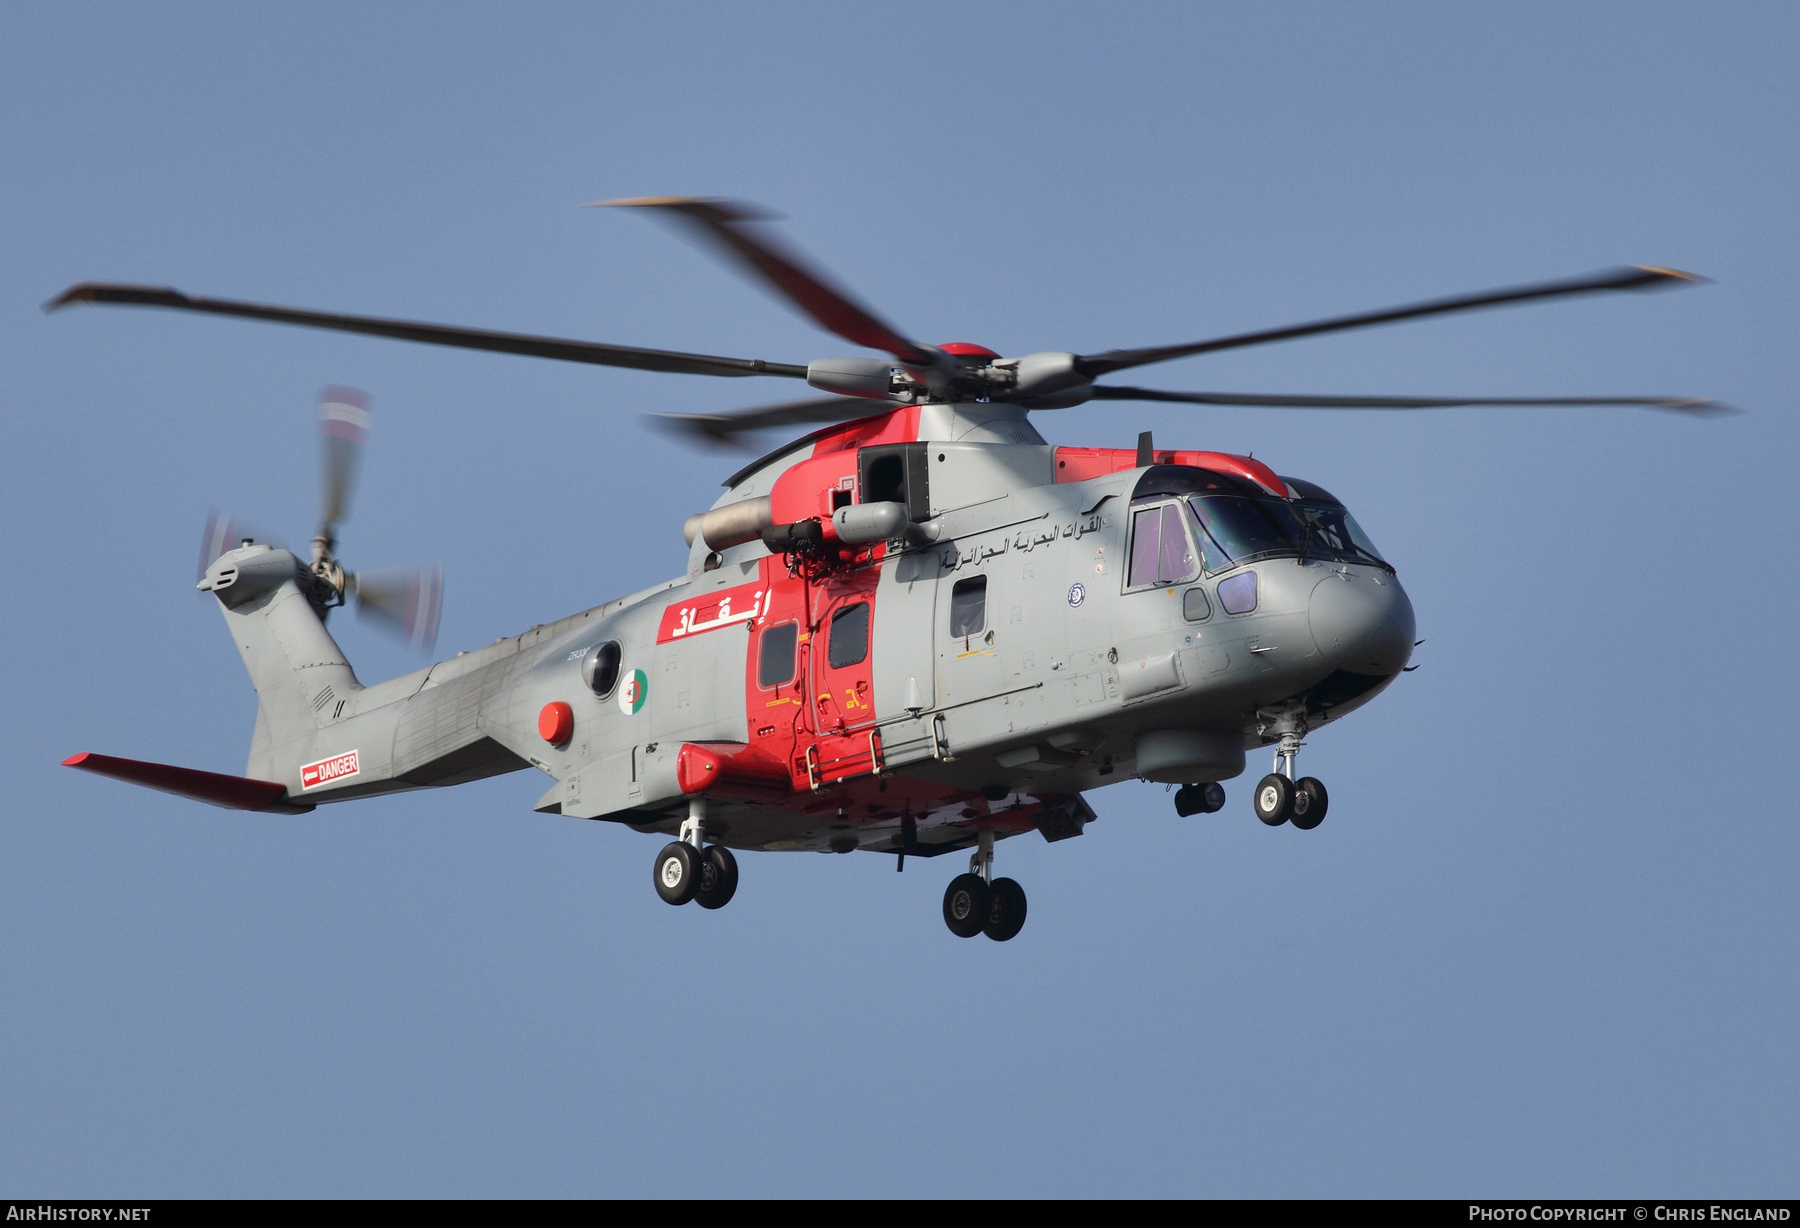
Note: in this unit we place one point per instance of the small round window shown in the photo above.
(601, 668)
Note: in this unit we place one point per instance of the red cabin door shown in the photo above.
(810, 688)
(841, 674)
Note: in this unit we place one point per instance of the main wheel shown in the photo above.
(966, 905)
(1274, 799)
(718, 877)
(1189, 800)
(1006, 910)
(1212, 797)
(678, 872)
(1310, 801)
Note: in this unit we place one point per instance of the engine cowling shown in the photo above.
(731, 525)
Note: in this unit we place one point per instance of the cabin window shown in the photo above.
(1194, 605)
(1160, 550)
(849, 636)
(775, 656)
(601, 669)
(968, 606)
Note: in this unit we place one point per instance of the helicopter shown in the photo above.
(918, 629)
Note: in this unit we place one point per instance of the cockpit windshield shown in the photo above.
(1235, 529)
(1336, 529)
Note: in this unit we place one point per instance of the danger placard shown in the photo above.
(330, 771)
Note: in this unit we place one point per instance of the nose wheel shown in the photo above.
(978, 903)
(1281, 799)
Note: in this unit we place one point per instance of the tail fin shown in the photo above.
(301, 677)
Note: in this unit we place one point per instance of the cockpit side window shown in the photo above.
(1161, 552)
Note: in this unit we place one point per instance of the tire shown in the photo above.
(1310, 801)
(718, 877)
(1189, 800)
(1274, 799)
(1212, 797)
(1006, 910)
(966, 905)
(677, 872)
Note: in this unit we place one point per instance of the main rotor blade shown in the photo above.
(433, 334)
(343, 429)
(1697, 406)
(727, 225)
(1629, 277)
(403, 600)
(724, 429)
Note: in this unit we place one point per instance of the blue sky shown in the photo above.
(1545, 942)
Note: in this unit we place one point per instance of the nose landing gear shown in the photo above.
(978, 903)
(691, 869)
(1280, 798)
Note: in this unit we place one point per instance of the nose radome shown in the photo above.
(1362, 624)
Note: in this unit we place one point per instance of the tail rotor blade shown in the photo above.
(403, 600)
(223, 532)
(343, 429)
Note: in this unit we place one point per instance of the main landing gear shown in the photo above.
(978, 903)
(691, 869)
(1280, 798)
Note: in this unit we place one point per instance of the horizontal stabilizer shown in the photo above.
(214, 788)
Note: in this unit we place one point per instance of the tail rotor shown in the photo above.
(403, 601)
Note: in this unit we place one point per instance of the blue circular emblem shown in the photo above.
(1077, 594)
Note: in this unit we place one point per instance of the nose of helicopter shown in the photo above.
(1362, 621)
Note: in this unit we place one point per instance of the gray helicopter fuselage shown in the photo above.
(1012, 658)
